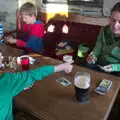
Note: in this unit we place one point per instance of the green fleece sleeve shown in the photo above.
(18, 81)
(98, 46)
(116, 67)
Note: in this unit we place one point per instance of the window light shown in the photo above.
(65, 29)
(51, 28)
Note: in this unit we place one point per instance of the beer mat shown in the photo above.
(63, 81)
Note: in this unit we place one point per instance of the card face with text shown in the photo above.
(103, 87)
(63, 81)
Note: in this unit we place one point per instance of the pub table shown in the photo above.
(48, 100)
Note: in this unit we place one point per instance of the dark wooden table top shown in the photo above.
(47, 100)
(10, 50)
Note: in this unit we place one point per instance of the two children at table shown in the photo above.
(105, 52)
(32, 31)
(11, 84)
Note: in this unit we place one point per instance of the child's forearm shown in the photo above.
(16, 82)
(20, 43)
(116, 67)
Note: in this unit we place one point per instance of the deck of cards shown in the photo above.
(63, 81)
(103, 87)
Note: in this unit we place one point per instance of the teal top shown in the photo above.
(12, 84)
(107, 49)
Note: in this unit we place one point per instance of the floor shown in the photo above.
(115, 113)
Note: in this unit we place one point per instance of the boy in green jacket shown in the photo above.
(11, 84)
(106, 53)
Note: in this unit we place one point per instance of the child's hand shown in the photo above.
(107, 68)
(91, 59)
(66, 67)
(10, 39)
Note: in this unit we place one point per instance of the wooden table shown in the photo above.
(10, 50)
(47, 100)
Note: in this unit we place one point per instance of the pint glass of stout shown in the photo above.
(82, 85)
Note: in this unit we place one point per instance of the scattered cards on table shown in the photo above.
(63, 81)
(103, 87)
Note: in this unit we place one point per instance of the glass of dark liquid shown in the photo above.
(81, 86)
(25, 63)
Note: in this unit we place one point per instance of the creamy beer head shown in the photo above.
(82, 80)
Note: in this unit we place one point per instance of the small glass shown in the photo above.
(25, 63)
(82, 82)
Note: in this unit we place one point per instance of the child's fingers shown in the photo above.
(107, 68)
(90, 59)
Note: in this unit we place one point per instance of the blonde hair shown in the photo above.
(28, 9)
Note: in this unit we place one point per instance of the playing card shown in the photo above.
(103, 87)
(63, 81)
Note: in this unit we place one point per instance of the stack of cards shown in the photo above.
(103, 87)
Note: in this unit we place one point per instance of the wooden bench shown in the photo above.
(79, 33)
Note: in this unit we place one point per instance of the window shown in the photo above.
(86, 3)
(54, 1)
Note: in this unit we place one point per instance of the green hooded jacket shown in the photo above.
(11, 84)
(107, 49)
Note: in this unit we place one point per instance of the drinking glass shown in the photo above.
(25, 63)
(82, 82)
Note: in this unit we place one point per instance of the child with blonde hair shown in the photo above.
(32, 31)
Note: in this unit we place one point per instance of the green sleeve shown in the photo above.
(116, 67)
(18, 81)
(98, 46)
